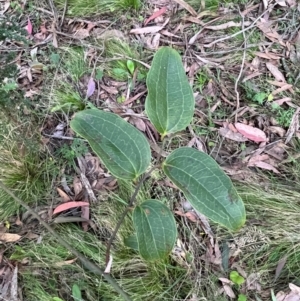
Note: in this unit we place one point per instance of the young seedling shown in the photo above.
(126, 153)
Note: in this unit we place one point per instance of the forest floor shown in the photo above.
(58, 57)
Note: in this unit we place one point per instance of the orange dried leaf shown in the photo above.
(69, 205)
(156, 14)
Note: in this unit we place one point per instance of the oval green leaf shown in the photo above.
(155, 229)
(206, 186)
(170, 101)
(122, 148)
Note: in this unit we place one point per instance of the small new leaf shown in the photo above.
(236, 278)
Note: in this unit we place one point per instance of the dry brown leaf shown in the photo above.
(277, 130)
(280, 266)
(63, 263)
(270, 33)
(9, 237)
(77, 186)
(294, 126)
(82, 33)
(228, 291)
(264, 165)
(275, 72)
(281, 101)
(281, 2)
(111, 90)
(145, 30)
(229, 134)
(268, 56)
(283, 88)
(227, 25)
(63, 195)
(250, 132)
(193, 20)
(252, 75)
(294, 288)
(187, 7)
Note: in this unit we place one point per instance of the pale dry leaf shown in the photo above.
(281, 2)
(252, 282)
(187, 7)
(4, 7)
(294, 288)
(294, 126)
(268, 56)
(281, 101)
(60, 264)
(250, 132)
(145, 30)
(229, 134)
(99, 33)
(277, 130)
(283, 88)
(14, 285)
(77, 186)
(109, 265)
(250, 76)
(275, 72)
(9, 237)
(265, 165)
(63, 195)
(280, 265)
(228, 291)
(227, 25)
(225, 280)
(82, 33)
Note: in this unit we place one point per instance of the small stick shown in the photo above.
(242, 68)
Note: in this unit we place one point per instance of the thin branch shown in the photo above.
(238, 32)
(242, 68)
(86, 263)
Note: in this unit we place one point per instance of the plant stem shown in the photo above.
(86, 263)
(131, 202)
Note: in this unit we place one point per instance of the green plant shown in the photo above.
(92, 7)
(283, 117)
(69, 153)
(126, 154)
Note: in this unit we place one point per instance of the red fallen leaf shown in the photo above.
(69, 205)
(250, 132)
(29, 27)
(156, 14)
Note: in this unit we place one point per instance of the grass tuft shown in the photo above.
(94, 7)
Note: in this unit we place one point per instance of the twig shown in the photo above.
(242, 68)
(237, 33)
(86, 263)
(131, 203)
